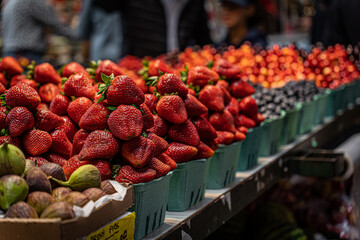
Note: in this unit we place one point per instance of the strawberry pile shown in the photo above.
(231, 108)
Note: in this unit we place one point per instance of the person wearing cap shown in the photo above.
(238, 17)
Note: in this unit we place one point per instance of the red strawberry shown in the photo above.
(79, 85)
(160, 127)
(184, 133)
(47, 121)
(10, 66)
(223, 121)
(22, 95)
(233, 107)
(167, 160)
(12, 140)
(95, 117)
(204, 151)
(104, 168)
(55, 158)
(138, 151)
(126, 122)
(73, 68)
(123, 90)
(61, 144)
(204, 128)
(240, 89)
(59, 105)
(19, 120)
(78, 107)
(243, 129)
(72, 164)
(201, 75)
(170, 83)
(212, 97)
(226, 69)
(45, 73)
(160, 144)
(99, 145)
(194, 107)
(224, 84)
(107, 67)
(37, 142)
(43, 106)
(141, 84)
(259, 118)
(161, 168)
(192, 92)
(39, 160)
(16, 79)
(69, 128)
(248, 107)
(156, 66)
(148, 118)
(243, 120)
(29, 82)
(224, 137)
(151, 101)
(239, 136)
(213, 144)
(2, 89)
(180, 152)
(3, 112)
(135, 175)
(3, 79)
(227, 96)
(79, 140)
(172, 108)
(48, 91)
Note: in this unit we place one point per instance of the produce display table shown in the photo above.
(220, 205)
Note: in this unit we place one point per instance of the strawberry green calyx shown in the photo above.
(3, 103)
(111, 108)
(31, 70)
(210, 64)
(92, 68)
(103, 87)
(144, 72)
(184, 74)
(63, 80)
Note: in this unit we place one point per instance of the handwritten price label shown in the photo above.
(122, 229)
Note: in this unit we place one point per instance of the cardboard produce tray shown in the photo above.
(55, 229)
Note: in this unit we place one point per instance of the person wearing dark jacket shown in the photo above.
(154, 27)
(237, 16)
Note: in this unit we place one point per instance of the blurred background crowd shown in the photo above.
(59, 31)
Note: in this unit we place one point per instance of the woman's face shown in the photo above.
(234, 15)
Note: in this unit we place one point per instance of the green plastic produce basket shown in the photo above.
(307, 116)
(352, 92)
(289, 126)
(250, 149)
(334, 101)
(150, 200)
(357, 89)
(347, 95)
(321, 104)
(223, 166)
(270, 137)
(188, 184)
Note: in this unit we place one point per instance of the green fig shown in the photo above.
(40, 200)
(61, 210)
(12, 160)
(84, 177)
(28, 165)
(21, 210)
(12, 189)
(37, 180)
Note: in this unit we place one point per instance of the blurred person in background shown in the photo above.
(24, 25)
(100, 26)
(154, 27)
(239, 18)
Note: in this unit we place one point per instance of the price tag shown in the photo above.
(122, 229)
